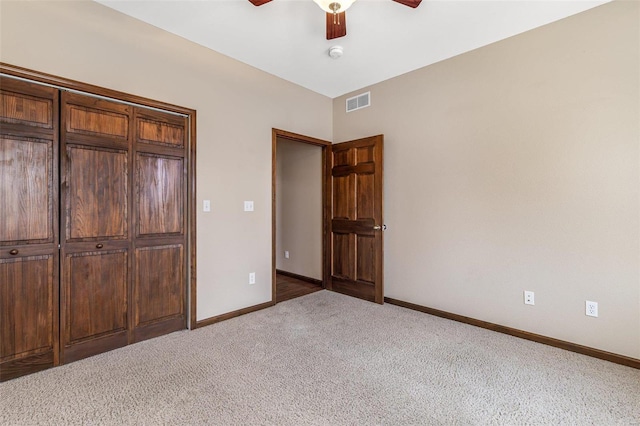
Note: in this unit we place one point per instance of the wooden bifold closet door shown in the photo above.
(28, 228)
(123, 234)
(93, 229)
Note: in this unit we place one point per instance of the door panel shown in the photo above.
(96, 283)
(21, 108)
(94, 294)
(163, 131)
(93, 121)
(160, 194)
(27, 303)
(355, 243)
(159, 292)
(28, 228)
(365, 203)
(366, 252)
(26, 202)
(343, 260)
(343, 204)
(97, 199)
(342, 156)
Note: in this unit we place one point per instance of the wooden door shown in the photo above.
(28, 228)
(93, 225)
(124, 229)
(96, 225)
(355, 242)
(160, 206)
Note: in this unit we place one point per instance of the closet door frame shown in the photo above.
(190, 114)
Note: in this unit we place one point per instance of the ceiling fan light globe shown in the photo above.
(329, 6)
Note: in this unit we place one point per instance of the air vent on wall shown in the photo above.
(360, 101)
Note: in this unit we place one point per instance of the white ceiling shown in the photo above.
(384, 39)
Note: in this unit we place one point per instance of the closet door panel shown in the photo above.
(26, 194)
(97, 285)
(89, 120)
(161, 130)
(159, 291)
(160, 194)
(97, 197)
(26, 303)
(27, 312)
(27, 106)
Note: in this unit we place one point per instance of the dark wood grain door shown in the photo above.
(28, 228)
(160, 205)
(96, 225)
(355, 241)
(93, 225)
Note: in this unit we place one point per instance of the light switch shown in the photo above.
(206, 205)
(248, 206)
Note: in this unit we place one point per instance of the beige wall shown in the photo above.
(516, 167)
(237, 106)
(299, 208)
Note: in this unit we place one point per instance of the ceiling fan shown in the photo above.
(336, 13)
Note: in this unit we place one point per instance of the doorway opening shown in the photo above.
(299, 216)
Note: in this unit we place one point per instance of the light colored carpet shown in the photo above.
(328, 359)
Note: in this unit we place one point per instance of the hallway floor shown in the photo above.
(290, 288)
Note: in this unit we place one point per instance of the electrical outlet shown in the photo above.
(591, 309)
(529, 298)
(248, 206)
(206, 205)
(252, 277)
(286, 254)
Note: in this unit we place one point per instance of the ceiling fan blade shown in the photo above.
(259, 2)
(339, 29)
(410, 3)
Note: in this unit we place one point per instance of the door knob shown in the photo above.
(99, 246)
(14, 252)
(377, 227)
